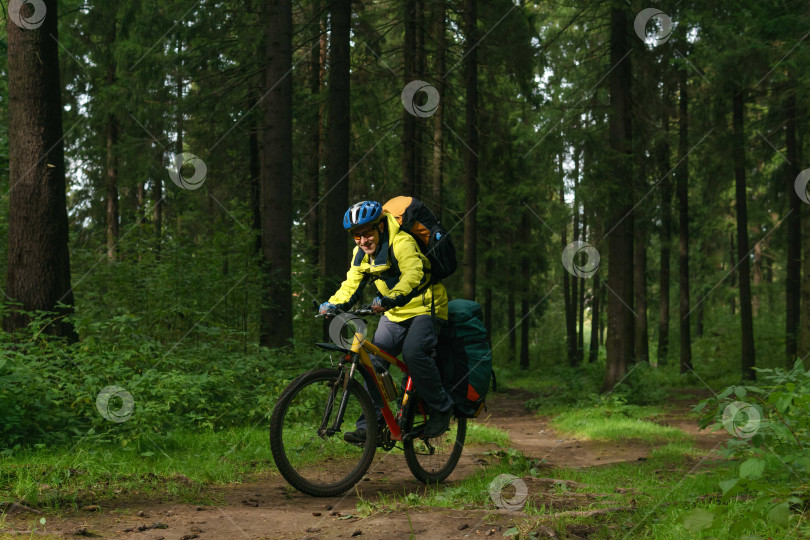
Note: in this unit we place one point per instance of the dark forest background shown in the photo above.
(675, 153)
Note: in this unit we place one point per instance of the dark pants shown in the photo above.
(415, 338)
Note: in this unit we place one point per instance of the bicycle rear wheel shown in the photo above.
(308, 455)
(433, 460)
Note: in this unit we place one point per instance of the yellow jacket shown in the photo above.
(404, 279)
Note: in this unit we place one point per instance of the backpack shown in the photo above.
(417, 220)
(464, 341)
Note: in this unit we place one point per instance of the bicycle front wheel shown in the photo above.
(432, 460)
(309, 453)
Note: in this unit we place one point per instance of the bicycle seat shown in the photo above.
(332, 347)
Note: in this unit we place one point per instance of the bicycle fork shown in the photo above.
(344, 400)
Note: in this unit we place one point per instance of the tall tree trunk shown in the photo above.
(642, 347)
(112, 186)
(438, 117)
(414, 70)
(665, 241)
(525, 226)
(255, 181)
(276, 174)
(38, 274)
(510, 320)
(337, 146)
(593, 355)
(112, 153)
(757, 278)
(746, 320)
(471, 148)
(733, 280)
(570, 329)
(575, 283)
(157, 195)
(794, 233)
(312, 224)
(683, 222)
(489, 270)
(581, 331)
(620, 283)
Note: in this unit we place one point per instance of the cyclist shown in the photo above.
(401, 273)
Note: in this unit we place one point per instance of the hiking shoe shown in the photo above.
(438, 423)
(355, 437)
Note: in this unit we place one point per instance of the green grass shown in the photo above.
(615, 423)
(481, 433)
(55, 476)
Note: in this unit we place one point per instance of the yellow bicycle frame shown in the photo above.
(363, 348)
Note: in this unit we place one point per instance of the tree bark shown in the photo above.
(471, 148)
(620, 339)
(414, 70)
(337, 147)
(683, 223)
(746, 320)
(570, 329)
(794, 233)
(112, 154)
(575, 283)
(665, 241)
(38, 275)
(112, 186)
(510, 321)
(593, 353)
(642, 349)
(276, 174)
(438, 118)
(255, 181)
(312, 224)
(525, 226)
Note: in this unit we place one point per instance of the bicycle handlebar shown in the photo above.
(362, 311)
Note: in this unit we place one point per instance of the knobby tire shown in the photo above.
(431, 469)
(320, 465)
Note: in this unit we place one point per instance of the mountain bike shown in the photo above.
(309, 419)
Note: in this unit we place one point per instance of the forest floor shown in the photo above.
(265, 507)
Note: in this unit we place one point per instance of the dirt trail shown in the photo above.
(267, 508)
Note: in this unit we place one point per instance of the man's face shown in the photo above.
(368, 238)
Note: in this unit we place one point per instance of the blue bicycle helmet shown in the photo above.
(362, 213)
